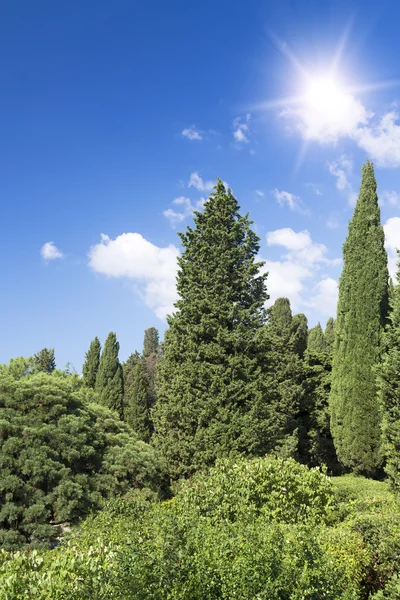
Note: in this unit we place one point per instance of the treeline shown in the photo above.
(230, 379)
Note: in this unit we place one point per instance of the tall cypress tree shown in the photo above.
(213, 398)
(361, 316)
(109, 380)
(91, 364)
(389, 387)
(151, 342)
(137, 413)
(316, 339)
(329, 334)
(288, 339)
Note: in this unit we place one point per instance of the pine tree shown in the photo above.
(361, 316)
(316, 339)
(91, 364)
(389, 388)
(213, 397)
(109, 380)
(329, 335)
(44, 361)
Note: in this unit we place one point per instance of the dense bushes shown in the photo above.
(60, 457)
(203, 544)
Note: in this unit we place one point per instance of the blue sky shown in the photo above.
(116, 117)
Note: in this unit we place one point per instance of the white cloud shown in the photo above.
(300, 246)
(390, 198)
(382, 141)
(187, 209)
(197, 182)
(329, 121)
(301, 261)
(192, 133)
(283, 198)
(153, 269)
(260, 194)
(342, 169)
(392, 242)
(49, 251)
(241, 129)
(325, 296)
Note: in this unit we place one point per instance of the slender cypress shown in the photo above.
(329, 334)
(389, 388)
(316, 339)
(109, 380)
(91, 364)
(361, 316)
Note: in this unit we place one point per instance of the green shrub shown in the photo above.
(60, 457)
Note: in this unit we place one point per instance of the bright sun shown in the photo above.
(326, 96)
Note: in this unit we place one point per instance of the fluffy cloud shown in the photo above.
(187, 207)
(382, 141)
(49, 251)
(197, 182)
(192, 133)
(392, 242)
(325, 297)
(151, 268)
(283, 198)
(390, 198)
(300, 262)
(342, 169)
(241, 129)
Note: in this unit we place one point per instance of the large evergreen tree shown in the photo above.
(109, 380)
(137, 413)
(389, 388)
(329, 335)
(361, 316)
(44, 361)
(91, 364)
(151, 342)
(214, 398)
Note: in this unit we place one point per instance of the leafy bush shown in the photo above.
(60, 457)
(201, 546)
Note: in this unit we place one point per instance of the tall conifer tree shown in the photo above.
(361, 316)
(91, 364)
(316, 339)
(213, 398)
(389, 387)
(329, 334)
(109, 380)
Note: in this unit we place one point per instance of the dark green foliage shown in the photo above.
(44, 361)
(330, 335)
(128, 370)
(316, 340)
(60, 457)
(109, 380)
(299, 334)
(151, 342)
(288, 339)
(215, 396)
(92, 362)
(137, 412)
(317, 446)
(361, 316)
(389, 388)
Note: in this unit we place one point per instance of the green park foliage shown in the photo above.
(226, 462)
